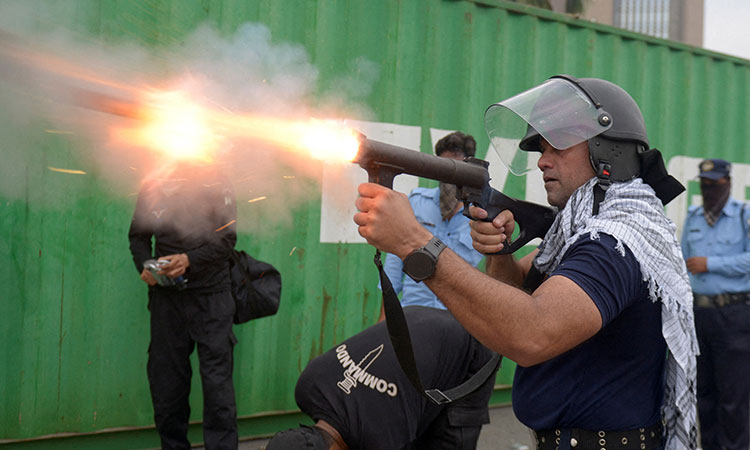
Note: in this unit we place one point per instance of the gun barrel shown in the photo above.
(376, 157)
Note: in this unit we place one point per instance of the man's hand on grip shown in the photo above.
(490, 237)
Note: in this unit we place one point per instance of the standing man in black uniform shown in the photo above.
(360, 398)
(190, 212)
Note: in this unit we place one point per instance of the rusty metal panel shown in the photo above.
(74, 318)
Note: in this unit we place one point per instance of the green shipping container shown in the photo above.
(73, 316)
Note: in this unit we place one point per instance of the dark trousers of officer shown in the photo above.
(724, 376)
(179, 321)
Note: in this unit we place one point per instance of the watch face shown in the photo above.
(419, 265)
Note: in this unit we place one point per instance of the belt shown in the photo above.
(719, 300)
(576, 439)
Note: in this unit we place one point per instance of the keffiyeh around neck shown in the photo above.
(634, 216)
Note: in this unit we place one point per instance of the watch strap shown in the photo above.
(434, 247)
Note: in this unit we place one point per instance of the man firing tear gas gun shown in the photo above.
(612, 296)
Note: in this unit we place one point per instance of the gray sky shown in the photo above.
(727, 27)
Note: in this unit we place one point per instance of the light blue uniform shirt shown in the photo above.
(455, 235)
(727, 246)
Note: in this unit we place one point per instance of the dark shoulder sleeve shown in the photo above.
(613, 280)
(141, 231)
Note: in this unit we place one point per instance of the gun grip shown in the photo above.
(383, 174)
(533, 220)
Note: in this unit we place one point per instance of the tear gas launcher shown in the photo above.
(384, 161)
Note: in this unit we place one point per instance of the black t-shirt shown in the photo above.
(614, 380)
(192, 211)
(360, 389)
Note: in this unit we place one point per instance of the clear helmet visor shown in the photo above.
(556, 110)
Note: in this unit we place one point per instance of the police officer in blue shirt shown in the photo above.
(716, 246)
(439, 211)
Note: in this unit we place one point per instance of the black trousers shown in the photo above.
(724, 376)
(180, 320)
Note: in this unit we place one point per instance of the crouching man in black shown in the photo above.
(360, 398)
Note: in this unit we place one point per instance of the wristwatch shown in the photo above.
(420, 264)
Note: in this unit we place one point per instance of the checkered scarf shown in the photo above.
(634, 216)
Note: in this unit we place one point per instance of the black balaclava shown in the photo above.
(448, 200)
(715, 196)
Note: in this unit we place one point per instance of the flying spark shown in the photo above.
(224, 226)
(71, 171)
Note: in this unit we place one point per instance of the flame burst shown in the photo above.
(323, 140)
(177, 127)
(329, 141)
(171, 122)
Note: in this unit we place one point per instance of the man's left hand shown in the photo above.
(177, 266)
(697, 264)
(386, 220)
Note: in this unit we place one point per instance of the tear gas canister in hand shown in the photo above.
(155, 267)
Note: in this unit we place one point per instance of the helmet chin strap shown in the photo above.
(603, 173)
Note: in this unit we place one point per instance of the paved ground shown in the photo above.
(503, 433)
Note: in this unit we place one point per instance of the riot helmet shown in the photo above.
(566, 111)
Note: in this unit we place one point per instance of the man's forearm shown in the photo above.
(526, 328)
(505, 268)
(496, 313)
(217, 246)
(209, 253)
(730, 265)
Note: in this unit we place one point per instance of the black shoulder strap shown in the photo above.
(398, 331)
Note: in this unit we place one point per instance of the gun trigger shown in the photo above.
(468, 214)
